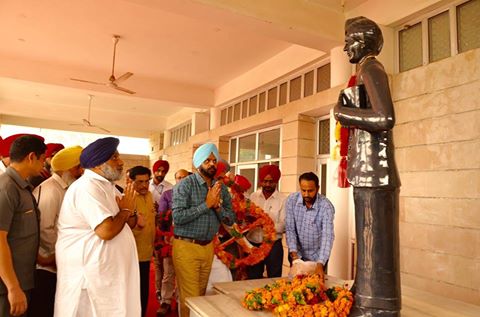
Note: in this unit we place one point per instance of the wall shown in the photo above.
(438, 149)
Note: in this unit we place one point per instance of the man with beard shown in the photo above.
(19, 225)
(200, 204)
(157, 187)
(309, 224)
(97, 262)
(272, 202)
(49, 194)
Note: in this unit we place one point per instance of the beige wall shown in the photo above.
(438, 155)
(437, 151)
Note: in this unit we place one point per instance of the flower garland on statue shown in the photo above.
(248, 216)
(305, 295)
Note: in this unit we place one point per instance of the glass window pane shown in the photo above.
(229, 114)
(272, 98)
(250, 174)
(308, 84)
(223, 117)
(324, 136)
(246, 148)
(439, 37)
(233, 150)
(295, 88)
(244, 109)
(261, 102)
(468, 25)
(252, 106)
(269, 145)
(283, 94)
(410, 42)
(323, 78)
(236, 112)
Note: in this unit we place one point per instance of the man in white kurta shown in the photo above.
(96, 276)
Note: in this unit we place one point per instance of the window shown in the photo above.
(244, 109)
(439, 35)
(323, 78)
(468, 25)
(272, 98)
(253, 151)
(295, 88)
(308, 84)
(223, 117)
(283, 94)
(252, 106)
(261, 103)
(180, 134)
(410, 41)
(323, 137)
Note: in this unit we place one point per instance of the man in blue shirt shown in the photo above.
(200, 204)
(309, 223)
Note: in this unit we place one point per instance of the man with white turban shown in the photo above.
(97, 262)
(49, 194)
(200, 204)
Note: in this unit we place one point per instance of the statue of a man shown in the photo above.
(367, 109)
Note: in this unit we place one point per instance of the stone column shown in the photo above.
(339, 263)
(214, 117)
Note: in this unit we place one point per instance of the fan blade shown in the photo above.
(87, 81)
(103, 129)
(123, 77)
(128, 91)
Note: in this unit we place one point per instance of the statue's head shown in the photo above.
(363, 38)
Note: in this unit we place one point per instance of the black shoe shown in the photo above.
(164, 309)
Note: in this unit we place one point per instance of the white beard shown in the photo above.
(68, 178)
(110, 173)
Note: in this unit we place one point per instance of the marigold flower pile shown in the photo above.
(305, 296)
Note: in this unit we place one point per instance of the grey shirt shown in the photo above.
(19, 217)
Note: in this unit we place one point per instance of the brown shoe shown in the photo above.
(164, 309)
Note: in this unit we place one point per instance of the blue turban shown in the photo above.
(98, 152)
(203, 152)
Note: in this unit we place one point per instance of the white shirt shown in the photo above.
(49, 195)
(107, 270)
(3, 168)
(274, 206)
(157, 190)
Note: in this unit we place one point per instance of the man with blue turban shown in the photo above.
(96, 254)
(200, 204)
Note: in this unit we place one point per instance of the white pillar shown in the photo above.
(340, 67)
(341, 70)
(214, 117)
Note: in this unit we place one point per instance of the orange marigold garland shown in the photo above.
(305, 295)
(249, 216)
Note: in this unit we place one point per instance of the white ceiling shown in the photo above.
(180, 51)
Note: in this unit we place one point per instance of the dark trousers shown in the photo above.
(273, 262)
(43, 295)
(144, 285)
(377, 282)
(5, 304)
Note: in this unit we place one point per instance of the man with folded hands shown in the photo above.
(200, 204)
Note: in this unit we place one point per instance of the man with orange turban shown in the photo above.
(273, 203)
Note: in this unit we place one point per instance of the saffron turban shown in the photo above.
(6, 143)
(53, 148)
(67, 158)
(222, 167)
(271, 170)
(203, 152)
(98, 152)
(161, 163)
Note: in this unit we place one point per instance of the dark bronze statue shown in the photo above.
(367, 109)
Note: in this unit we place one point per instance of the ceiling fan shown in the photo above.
(86, 122)
(112, 80)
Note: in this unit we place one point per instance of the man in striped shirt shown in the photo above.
(309, 223)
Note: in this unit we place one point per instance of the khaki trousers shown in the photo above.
(192, 263)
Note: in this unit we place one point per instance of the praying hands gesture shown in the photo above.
(127, 202)
(213, 196)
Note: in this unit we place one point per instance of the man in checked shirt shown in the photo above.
(309, 223)
(200, 205)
